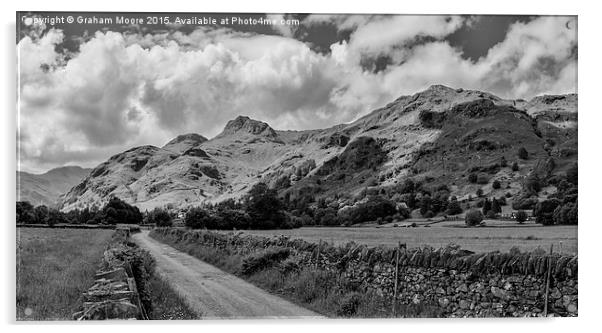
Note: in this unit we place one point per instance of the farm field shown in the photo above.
(54, 267)
(500, 237)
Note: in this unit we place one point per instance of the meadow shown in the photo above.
(500, 236)
(54, 267)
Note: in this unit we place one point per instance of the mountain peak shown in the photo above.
(189, 137)
(246, 125)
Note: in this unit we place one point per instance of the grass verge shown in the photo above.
(167, 304)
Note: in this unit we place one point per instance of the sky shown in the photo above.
(93, 89)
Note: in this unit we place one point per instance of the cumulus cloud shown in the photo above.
(127, 89)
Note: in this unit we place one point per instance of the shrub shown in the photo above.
(482, 179)
(349, 304)
(523, 154)
(268, 258)
(473, 218)
(514, 166)
(479, 192)
(369, 210)
(491, 214)
(521, 216)
(429, 214)
(473, 178)
(496, 185)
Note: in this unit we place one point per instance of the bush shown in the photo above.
(473, 218)
(473, 178)
(268, 258)
(349, 304)
(482, 179)
(521, 216)
(523, 154)
(369, 210)
(479, 192)
(496, 185)
(514, 166)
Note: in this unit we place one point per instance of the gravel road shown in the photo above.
(213, 293)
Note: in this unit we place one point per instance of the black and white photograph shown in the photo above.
(234, 166)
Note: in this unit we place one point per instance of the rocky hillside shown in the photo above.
(45, 189)
(438, 136)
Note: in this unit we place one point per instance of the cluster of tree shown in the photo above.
(560, 207)
(385, 204)
(159, 217)
(260, 209)
(491, 208)
(115, 211)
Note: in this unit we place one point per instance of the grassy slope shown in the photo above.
(54, 267)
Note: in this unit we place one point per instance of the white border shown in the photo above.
(590, 109)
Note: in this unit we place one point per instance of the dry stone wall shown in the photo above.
(114, 294)
(459, 282)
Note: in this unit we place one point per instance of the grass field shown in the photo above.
(501, 236)
(54, 267)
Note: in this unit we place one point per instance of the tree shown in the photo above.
(572, 174)
(521, 216)
(503, 162)
(453, 208)
(473, 218)
(479, 192)
(523, 154)
(117, 211)
(197, 218)
(159, 217)
(264, 208)
(496, 185)
(486, 206)
(25, 214)
(566, 214)
(425, 205)
(495, 206)
(544, 211)
(514, 166)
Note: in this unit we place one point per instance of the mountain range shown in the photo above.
(438, 136)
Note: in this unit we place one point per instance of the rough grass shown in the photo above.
(313, 288)
(54, 267)
(166, 303)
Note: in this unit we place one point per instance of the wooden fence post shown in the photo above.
(396, 279)
(318, 254)
(545, 307)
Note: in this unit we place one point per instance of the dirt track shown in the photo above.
(213, 293)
